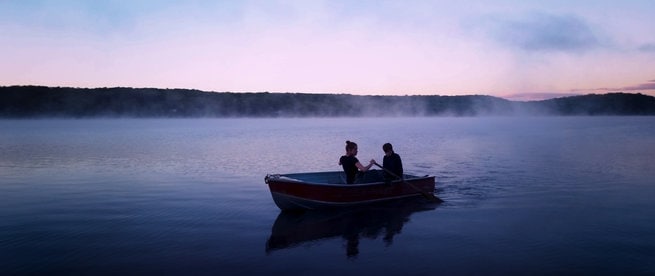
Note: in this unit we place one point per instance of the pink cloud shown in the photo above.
(536, 96)
(650, 85)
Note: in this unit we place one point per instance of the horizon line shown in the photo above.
(515, 97)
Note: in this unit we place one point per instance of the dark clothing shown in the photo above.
(393, 164)
(349, 167)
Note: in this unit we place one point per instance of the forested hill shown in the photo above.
(40, 101)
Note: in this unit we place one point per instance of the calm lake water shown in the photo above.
(542, 195)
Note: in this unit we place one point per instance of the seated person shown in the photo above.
(350, 163)
(392, 163)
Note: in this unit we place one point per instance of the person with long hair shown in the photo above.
(351, 164)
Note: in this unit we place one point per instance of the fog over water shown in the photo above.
(523, 195)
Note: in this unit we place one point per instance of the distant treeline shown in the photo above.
(41, 101)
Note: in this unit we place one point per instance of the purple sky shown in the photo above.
(513, 49)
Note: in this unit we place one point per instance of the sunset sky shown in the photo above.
(515, 49)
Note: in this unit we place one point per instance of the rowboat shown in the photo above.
(322, 190)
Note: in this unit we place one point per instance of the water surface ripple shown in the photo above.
(540, 195)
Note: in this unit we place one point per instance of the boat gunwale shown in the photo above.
(286, 179)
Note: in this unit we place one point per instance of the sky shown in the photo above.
(516, 49)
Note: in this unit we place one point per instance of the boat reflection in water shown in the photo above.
(385, 220)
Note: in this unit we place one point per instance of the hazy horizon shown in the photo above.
(522, 97)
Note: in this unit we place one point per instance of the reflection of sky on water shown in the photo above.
(523, 195)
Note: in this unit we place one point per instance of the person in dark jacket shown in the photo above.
(392, 163)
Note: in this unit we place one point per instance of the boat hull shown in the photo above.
(324, 190)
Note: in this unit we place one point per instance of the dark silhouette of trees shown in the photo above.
(41, 101)
(604, 104)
